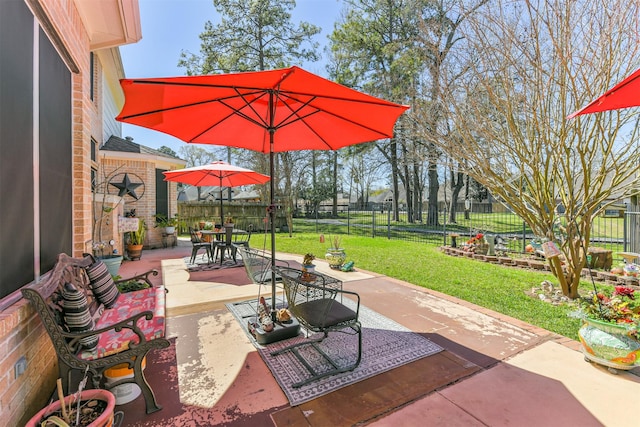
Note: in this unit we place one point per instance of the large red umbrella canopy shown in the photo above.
(623, 95)
(266, 111)
(305, 111)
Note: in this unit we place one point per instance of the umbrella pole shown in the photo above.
(272, 222)
(272, 207)
(221, 205)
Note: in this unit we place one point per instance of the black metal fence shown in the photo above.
(616, 232)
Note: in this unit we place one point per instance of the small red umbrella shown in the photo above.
(266, 111)
(623, 95)
(221, 174)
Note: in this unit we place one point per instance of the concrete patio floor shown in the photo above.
(523, 375)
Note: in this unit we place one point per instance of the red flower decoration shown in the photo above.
(624, 290)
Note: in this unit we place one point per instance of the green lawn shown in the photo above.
(498, 288)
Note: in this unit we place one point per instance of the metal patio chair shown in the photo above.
(313, 303)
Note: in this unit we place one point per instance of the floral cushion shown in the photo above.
(127, 305)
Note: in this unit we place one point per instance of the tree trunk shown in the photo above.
(394, 179)
(417, 193)
(457, 180)
(432, 209)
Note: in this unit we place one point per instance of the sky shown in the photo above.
(171, 26)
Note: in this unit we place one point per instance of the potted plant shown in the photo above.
(228, 222)
(307, 262)
(106, 252)
(207, 237)
(609, 333)
(104, 207)
(136, 240)
(335, 255)
(168, 224)
(88, 408)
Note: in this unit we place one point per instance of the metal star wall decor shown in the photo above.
(126, 187)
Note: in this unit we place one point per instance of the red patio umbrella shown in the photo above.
(221, 174)
(623, 95)
(266, 111)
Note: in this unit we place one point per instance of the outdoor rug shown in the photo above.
(201, 263)
(385, 345)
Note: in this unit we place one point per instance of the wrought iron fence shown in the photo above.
(616, 232)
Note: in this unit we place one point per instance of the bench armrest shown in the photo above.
(144, 277)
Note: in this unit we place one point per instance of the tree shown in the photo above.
(373, 48)
(196, 156)
(533, 67)
(167, 150)
(253, 35)
(400, 50)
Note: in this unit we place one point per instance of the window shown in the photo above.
(162, 193)
(92, 73)
(30, 205)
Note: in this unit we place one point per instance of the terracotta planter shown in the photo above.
(104, 420)
(609, 344)
(134, 251)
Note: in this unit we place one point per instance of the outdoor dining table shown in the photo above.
(219, 236)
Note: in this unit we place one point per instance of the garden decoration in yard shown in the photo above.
(609, 334)
(336, 255)
(477, 244)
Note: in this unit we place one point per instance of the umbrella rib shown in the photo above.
(178, 107)
(294, 113)
(237, 112)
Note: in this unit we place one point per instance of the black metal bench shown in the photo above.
(131, 327)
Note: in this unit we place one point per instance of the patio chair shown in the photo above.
(198, 244)
(223, 246)
(240, 240)
(314, 305)
(258, 265)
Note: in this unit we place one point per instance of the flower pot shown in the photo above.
(105, 419)
(609, 344)
(112, 262)
(310, 268)
(169, 230)
(335, 257)
(134, 251)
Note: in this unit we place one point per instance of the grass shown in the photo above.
(496, 287)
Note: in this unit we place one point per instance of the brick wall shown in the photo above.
(143, 170)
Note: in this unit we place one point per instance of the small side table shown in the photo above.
(169, 238)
